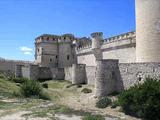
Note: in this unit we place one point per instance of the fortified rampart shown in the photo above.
(8, 66)
(121, 47)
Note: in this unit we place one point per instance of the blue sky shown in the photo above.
(21, 21)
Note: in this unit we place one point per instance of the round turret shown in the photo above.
(148, 30)
(97, 38)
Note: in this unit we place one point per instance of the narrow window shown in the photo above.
(50, 60)
(38, 49)
(67, 57)
(47, 38)
(56, 56)
(113, 75)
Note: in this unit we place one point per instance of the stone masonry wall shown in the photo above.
(34, 72)
(68, 73)
(90, 73)
(78, 74)
(135, 73)
(10, 65)
(121, 47)
(106, 77)
(57, 73)
(39, 73)
(45, 73)
(128, 74)
(25, 72)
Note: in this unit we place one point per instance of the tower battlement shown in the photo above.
(47, 38)
(97, 34)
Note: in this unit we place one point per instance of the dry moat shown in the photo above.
(67, 102)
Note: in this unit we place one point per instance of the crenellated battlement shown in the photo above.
(118, 38)
(96, 34)
(17, 61)
(49, 38)
(84, 47)
(68, 36)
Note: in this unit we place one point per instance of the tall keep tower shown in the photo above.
(148, 30)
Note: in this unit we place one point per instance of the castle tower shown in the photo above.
(97, 38)
(148, 30)
(46, 52)
(66, 51)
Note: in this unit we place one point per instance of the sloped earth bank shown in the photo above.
(33, 109)
(67, 103)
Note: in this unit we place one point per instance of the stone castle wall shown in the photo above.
(135, 73)
(89, 75)
(8, 66)
(76, 74)
(79, 74)
(121, 47)
(35, 72)
(106, 77)
(127, 74)
(68, 73)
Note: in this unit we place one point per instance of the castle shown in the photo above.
(111, 64)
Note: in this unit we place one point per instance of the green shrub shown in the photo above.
(142, 100)
(45, 85)
(115, 104)
(19, 80)
(103, 102)
(86, 90)
(30, 88)
(115, 93)
(78, 86)
(44, 95)
(2, 76)
(93, 117)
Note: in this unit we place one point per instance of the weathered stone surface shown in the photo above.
(106, 77)
(147, 30)
(78, 74)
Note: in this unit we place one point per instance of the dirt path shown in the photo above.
(86, 102)
(15, 116)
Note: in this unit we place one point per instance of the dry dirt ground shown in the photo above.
(86, 102)
(72, 105)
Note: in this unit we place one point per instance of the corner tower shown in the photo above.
(148, 30)
(97, 38)
(46, 50)
(66, 52)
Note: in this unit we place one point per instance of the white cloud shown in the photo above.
(27, 53)
(26, 50)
